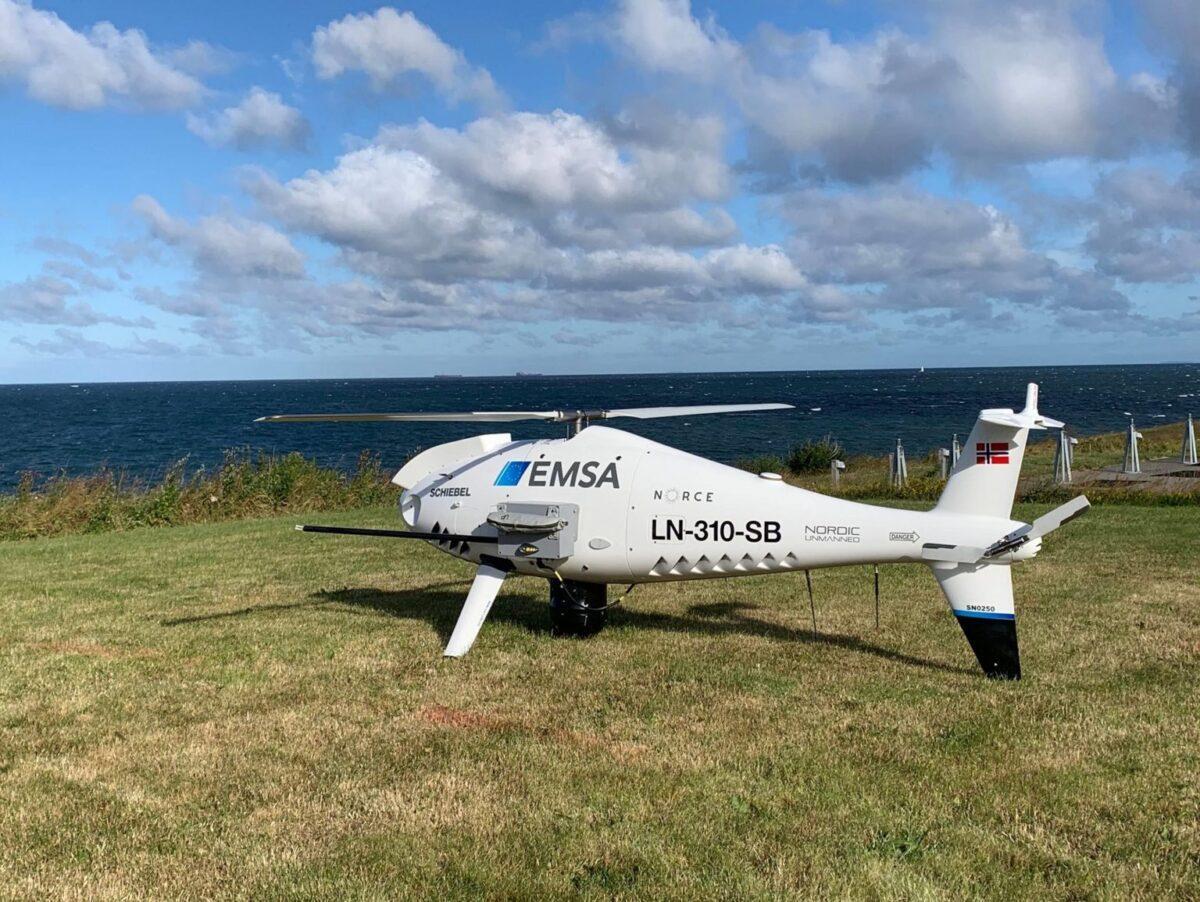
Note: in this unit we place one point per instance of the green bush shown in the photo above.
(813, 456)
(762, 463)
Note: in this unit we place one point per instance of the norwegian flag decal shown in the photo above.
(991, 452)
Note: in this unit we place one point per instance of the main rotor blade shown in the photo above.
(487, 416)
(512, 416)
(653, 413)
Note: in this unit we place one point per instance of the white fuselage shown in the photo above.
(650, 512)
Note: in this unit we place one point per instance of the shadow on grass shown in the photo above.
(439, 608)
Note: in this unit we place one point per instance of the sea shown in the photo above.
(145, 428)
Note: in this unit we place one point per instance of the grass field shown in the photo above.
(238, 709)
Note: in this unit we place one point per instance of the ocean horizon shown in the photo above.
(144, 428)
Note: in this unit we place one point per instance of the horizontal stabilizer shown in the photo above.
(1029, 418)
(958, 554)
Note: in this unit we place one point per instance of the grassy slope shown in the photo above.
(238, 708)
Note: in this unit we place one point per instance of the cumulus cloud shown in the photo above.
(1176, 25)
(904, 250)
(225, 245)
(51, 300)
(506, 198)
(260, 120)
(388, 45)
(84, 70)
(1146, 226)
(664, 36)
(512, 218)
(987, 84)
(562, 159)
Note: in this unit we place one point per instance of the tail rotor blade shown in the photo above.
(1044, 524)
(475, 609)
(1064, 513)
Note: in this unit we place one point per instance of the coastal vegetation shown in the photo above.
(248, 484)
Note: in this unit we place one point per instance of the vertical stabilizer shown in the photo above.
(981, 598)
(984, 480)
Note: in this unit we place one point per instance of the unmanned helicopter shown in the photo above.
(603, 507)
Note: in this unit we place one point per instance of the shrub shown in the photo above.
(762, 463)
(813, 456)
(246, 484)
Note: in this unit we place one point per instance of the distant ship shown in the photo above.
(519, 373)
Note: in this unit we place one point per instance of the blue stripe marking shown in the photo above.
(512, 472)
(985, 615)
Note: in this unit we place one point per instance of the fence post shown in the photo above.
(955, 451)
(944, 462)
(1189, 442)
(835, 471)
(1062, 458)
(1132, 462)
(899, 473)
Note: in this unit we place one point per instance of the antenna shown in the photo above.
(812, 607)
(876, 596)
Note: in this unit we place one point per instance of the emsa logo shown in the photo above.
(512, 472)
(585, 475)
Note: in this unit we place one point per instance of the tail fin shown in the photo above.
(981, 597)
(984, 481)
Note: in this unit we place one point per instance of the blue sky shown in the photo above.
(218, 190)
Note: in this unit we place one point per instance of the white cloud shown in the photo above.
(77, 70)
(48, 299)
(561, 159)
(499, 198)
(72, 343)
(1146, 226)
(396, 208)
(387, 45)
(663, 36)
(1176, 26)
(905, 250)
(987, 84)
(225, 245)
(262, 119)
